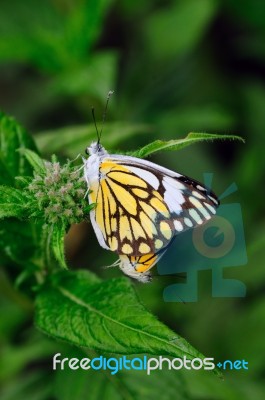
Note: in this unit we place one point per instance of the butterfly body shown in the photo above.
(141, 207)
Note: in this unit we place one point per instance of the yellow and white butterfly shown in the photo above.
(141, 207)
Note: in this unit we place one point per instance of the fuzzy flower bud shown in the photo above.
(60, 194)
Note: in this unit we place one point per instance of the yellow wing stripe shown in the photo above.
(113, 224)
(124, 198)
(108, 195)
(151, 216)
(165, 230)
(137, 229)
(147, 223)
(160, 206)
(107, 166)
(145, 262)
(127, 179)
(143, 194)
(106, 198)
(125, 229)
(113, 243)
(150, 211)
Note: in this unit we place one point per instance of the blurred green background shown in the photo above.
(176, 66)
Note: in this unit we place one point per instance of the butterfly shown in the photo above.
(141, 207)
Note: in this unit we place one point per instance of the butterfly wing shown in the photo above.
(142, 206)
(138, 267)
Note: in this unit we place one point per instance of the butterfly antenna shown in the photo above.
(95, 123)
(105, 113)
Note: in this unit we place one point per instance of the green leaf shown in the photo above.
(99, 385)
(131, 384)
(23, 181)
(73, 140)
(19, 241)
(57, 242)
(191, 138)
(205, 386)
(12, 162)
(160, 384)
(12, 203)
(105, 316)
(34, 160)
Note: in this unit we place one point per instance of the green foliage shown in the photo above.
(12, 203)
(12, 138)
(176, 67)
(178, 144)
(13, 200)
(54, 195)
(180, 14)
(54, 33)
(90, 313)
(57, 242)
(126, 385)
(34, 160)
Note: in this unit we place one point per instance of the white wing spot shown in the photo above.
(178, 225)
(199, 207)
(213, 199)
(204, 212)
(158, 244)
(198, 195)
(188, 222)
(195, 202)
(201, 188)
(193, 213)
(211, 208)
